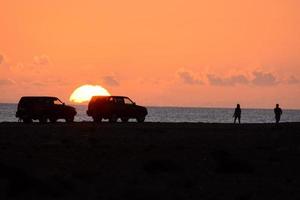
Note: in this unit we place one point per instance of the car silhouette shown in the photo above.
(44, 108)
(115, 107)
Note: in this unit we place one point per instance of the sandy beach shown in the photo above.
(149, 161)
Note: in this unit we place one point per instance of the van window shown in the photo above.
(111, 99)
(119, 100)
(57, 102)
(128, 101)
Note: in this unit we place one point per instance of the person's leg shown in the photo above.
(239, 119)
(277, 119)
(234, 119)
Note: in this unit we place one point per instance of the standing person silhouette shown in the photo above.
(237, 113)
(278, 113)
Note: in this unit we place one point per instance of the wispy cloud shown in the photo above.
(227, 81)
(41, 60)
(293, 80)
(4, 61)
(110, 80)
(264, 79)
(258, 78)
(1, 59)
(6, 82)
(189, 77)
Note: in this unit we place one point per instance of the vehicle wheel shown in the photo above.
(53, 120)
(97, 118)
(70, 119)
(113, 119)
(43, 120)
(27, 120)
(140, 119)
(124, 119)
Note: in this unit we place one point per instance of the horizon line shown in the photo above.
(177, 106)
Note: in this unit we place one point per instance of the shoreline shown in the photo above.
(170, 125)
(141, 123)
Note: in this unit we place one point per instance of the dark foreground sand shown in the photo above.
(149, 161)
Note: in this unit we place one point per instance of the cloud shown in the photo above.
(4, 61)
(188, 77)
(6, 82)
(39, 84)
(260, 78)
(264, 79)
(1, 59)
(41, 60)
(111, 81)
(228, 81)
(293, 80)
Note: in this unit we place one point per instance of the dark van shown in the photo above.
(115, 107)
(44, 108)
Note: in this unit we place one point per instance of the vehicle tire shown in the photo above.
(43, 120)
(70, 119)
(113, 119)
(140, 119)
(27, 120)
(124, 119)
(53, 120)
(97, 118)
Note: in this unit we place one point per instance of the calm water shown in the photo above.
(177, 114)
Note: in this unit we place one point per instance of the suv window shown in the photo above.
(119, 100)
(47, 102)
(128, 101)
(111, 100)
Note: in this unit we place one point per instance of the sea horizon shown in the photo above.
(180, 114)
(196, 107)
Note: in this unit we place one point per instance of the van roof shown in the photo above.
(109, 96)
(38, 97)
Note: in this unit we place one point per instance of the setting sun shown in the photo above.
(84, 93)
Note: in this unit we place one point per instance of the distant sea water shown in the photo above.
(180, 114)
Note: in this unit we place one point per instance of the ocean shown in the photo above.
(180, 114)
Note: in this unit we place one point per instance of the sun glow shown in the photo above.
(84, 93)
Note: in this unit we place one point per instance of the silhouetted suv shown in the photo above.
(44, 109)
(115, 107)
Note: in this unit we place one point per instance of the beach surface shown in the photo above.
(149, 161)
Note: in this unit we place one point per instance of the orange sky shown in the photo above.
(160, 52)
